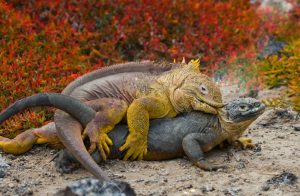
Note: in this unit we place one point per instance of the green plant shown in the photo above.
(285, 70)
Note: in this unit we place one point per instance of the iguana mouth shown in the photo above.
(255, 111)
(210, 103)
(201, 105)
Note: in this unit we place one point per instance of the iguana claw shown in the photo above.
(136, 146)
(104, 145)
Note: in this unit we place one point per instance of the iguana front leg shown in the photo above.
(194, 145)
(139, 113)
(110, 112)
(242, 142)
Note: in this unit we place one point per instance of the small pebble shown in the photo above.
(3, 167)
(207, 188)
(11, 185)
(266, 187)
(233, 191)
(297, 127)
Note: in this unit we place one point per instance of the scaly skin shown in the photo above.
(91, 90)
(190, 134)
(181, 90)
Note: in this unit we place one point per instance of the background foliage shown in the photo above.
(284, 69)
(46, 44)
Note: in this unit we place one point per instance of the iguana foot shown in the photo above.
(25, 140)
(98, 137)
(110, 112)
(207, 167)
(136, 145)
(245, 143)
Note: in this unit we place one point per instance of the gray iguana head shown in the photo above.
(244, 109)
(238, 114)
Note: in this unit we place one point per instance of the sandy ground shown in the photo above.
(249, 172)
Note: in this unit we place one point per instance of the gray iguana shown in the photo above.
(189, 134)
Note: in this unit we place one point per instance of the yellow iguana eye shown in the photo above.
(203, 89)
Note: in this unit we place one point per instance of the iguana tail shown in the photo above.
(72, 106)
(80, 111)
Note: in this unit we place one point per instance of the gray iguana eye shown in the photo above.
(243, 108)
(203, 89)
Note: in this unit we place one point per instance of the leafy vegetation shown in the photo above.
(46, 44)
(284, 69)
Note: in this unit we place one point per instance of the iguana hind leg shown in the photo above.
(110, 112)
(193, 145)
(139, 113)
(25, 140)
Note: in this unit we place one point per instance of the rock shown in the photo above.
(284, 177)
(297, 127)
(3, 167)
(276, 117)
(23, 189)
(265, 187)
(273, 48)
(257, 148)
(92, 186)
(232, 191)
(11, 185)
(163, 172)
(207, 188)
(285, 114)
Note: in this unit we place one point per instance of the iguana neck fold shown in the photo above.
(230, 128)
(169, 83)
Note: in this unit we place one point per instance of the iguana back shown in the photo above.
(144, 66)
(125, 86)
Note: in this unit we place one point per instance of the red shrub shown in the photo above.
(46, 44)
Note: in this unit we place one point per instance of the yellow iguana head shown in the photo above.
(191, 90)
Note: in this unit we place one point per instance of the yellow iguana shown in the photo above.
(137, 96)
